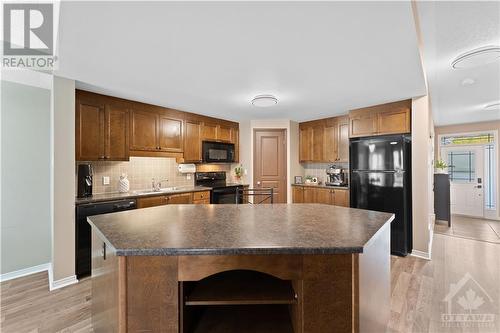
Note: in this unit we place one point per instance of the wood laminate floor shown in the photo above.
(469, 227)
(419, 291)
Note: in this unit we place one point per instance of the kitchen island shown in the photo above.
(245, 268)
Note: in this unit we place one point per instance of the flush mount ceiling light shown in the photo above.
(264, 101)
(468, 81)
(477, 57)
(492, 107)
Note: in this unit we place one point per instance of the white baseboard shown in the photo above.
(64, 282)
(24, 272)
(421, 254)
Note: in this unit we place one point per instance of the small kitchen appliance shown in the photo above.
(336, 176)
(84, 180)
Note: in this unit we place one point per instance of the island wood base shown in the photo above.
(333, 293)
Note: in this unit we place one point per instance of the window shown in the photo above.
(472, 139)
(489, 190)
(462, 165)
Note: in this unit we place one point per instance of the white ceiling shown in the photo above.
(319, 59)
(450, 29)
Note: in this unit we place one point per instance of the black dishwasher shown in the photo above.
(83, 238)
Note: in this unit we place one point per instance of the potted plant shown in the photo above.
(441, 166)
(309, 179)
(238, 172)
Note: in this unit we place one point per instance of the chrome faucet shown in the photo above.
(157, 185)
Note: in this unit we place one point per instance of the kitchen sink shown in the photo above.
(162, 190)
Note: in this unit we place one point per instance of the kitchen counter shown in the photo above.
(323, 186)
(133, 195)
(329, 263)
(239, 229)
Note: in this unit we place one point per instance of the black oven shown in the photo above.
(217, 152)
(222, 192)
(224, 195)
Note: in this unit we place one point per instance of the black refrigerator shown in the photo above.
(380, 180)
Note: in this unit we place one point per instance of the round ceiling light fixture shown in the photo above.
(477, 57)
(264, 101)
(492, 107)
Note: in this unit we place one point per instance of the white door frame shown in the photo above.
(490, 214)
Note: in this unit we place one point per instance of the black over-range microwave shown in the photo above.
(217, 152)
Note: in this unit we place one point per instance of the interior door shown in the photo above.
(270, 161)
(466, 165)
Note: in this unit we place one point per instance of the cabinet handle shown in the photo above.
(104, 251)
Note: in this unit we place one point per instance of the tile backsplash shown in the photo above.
(141, 170)
(319, 169)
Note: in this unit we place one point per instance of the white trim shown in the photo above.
(67, 281)
(421, 254)
(24, 272)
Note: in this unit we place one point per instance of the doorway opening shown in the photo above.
(270, 162)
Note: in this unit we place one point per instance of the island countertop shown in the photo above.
(173, 230)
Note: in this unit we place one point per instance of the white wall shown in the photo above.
(422, 173)
(25, 176)
(63, 249)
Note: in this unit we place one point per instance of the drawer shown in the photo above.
(204, 195)
(202, 202)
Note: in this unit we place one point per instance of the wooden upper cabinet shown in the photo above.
(224, 133)
(363, 124)
(209, 131)
(102, 131)
(343, 140)
(144, 131)
(116, 133)
(170, 134)
(305, 144)
(89, 131)
(390, 118)
(235, 138)
(394, 121)
(192, 141)
(330, 142)
(318, 143)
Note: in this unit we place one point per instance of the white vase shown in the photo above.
(123, 184)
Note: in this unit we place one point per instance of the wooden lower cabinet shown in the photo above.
(201, 198)
(321, 195)
(160, 200)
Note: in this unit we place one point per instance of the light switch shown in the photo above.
(105, 180)
(188, 176)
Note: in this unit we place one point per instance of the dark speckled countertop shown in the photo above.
(239, 229)
(133, 195)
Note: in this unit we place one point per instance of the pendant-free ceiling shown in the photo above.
(477, 57)
(264, 100)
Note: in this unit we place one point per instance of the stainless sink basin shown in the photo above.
(162, 190)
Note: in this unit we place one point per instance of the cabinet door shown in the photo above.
(318, 143)
(343, 141)
(395, 121)
(170, 138)
(330, 143)
(144, 128)
(235, 138)
(209, 132)
(201, 196)
(323, 196)
(341, 198)
(184, 198)
(116, 133)
(297, 194)
(192, 142)
(224, 133)
(89, 131)
(305, 141)
(309, 194)
(364, 124)
(159, 200)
